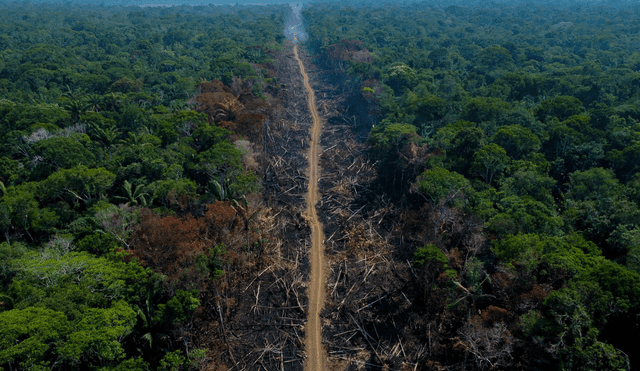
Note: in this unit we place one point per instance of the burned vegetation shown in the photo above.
(408, 288)
(253, 313)
(464, 230)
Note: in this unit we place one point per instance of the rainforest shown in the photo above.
(320, 186)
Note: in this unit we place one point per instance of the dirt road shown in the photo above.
(316, 355)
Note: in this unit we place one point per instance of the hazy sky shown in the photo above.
(166, 2)
(294, 29)
(342, 2)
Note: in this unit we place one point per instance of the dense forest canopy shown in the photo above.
(354, 3)
(111, 144)
(525, 118)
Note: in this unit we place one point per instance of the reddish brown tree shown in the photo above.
(214, 86)
(170, 244)
(167, 244)
(219, 106)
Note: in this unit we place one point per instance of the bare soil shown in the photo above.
(316, 355)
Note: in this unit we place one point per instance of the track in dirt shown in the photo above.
(316, 357)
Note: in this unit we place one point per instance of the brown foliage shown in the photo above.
(254, 104)
(229, 125)
(350, 50)
(493, 315)
(517, 291)
(221, 218)
(169, 244)
(532, 299)
(237, 108)
(237, 86)
(456, 259)
(219, 106)
(250, 125)
(214, 86)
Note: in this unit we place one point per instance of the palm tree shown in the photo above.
(105, 135)
(150, 321)
(134, 195)
(133, 139)
(113, 100)
(95, 102)
(77, 107)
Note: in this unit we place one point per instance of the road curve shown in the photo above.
(313, 343)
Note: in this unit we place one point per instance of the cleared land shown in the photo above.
(316, 359)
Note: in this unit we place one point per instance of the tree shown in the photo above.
(524, 215)
(23, 116)
(430, 107)
(561, 140)
(101, 128)
(134, 194)
(133, 118)
(206, 136)
(180, 307)
(117, 221)
(77, 107)
(12, 172)
(393, 136)
(516, 140)
(573, 310)
(626, 162)
(462, 147)
(79, 184)
(595, 203)
(391, 146)
(70, 310)
(529, 181)
(180, 124)
(528, 250)
(561, 107)
(29, 337)
(22, 212)
(401, 77)
(490, 160)
(223, 164)
(441, 186)
(485, 111)
(431, 261)
(99, 333)
(442, 189)
(493, 58)
(440, 58)
(62, 153)
(171, 191)
(598, 184)
(601, 299)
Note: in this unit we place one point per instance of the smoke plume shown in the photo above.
(294, 29)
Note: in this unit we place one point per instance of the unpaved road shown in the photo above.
(316, 356)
